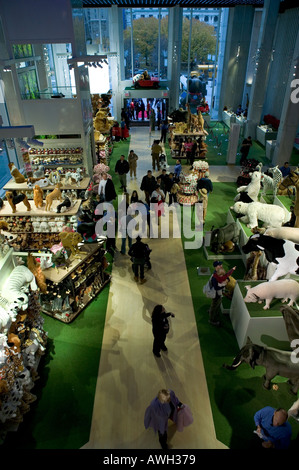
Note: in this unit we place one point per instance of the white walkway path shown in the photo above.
(129, 374)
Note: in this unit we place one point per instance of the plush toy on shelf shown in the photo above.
(35, 268)
(40, 172)
(38, 196)
(16, 174)
(65, 205)
(14, 198)
(70, 241)
(250, 192)
(55, 194)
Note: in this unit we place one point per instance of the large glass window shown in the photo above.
(145, 37)
(97, 30)
(197, 57)
(43, 70)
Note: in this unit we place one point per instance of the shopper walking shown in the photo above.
(203, 198)
(219, 281)
(152, 119)
(106, 189)
(121, 169)
(177, 170)
(125, 232)
(132, 159)
(139, 255)
(164, 130)
(163, 407)
(156, 152)
(160, 328)
(244, 150)
(205, 182)
(148, 185)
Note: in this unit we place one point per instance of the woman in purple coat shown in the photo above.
(165, 406)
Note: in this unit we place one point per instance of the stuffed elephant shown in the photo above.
(275, 361)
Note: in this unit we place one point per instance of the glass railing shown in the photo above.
(51, 93)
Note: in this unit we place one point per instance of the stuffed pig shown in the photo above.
(282, 289)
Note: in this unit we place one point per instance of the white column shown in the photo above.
(174, 55)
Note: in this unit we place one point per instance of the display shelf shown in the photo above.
(251, 320)
(83, 278)
(6, 210)
(58, 275)
(12, 186)
(210, 255)
(263, 133)
(174, 141)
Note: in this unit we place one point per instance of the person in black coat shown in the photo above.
(148, 185)
(139, 253)
(106, 189)
(160, 328)
(122, 167)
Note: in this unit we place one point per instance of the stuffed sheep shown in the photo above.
(270, 214)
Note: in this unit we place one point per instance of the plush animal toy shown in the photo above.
(55, 194)
(253, 188)
(66, 204)
(42, 183)
(38, 196)
(35, 268)
(283, 233)
(15, 173)
(70, 241)
(40, 172)
(282, 289)
(15, 285)
(13, 199)
(270, 214)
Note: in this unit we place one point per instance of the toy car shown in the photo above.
(139, 82)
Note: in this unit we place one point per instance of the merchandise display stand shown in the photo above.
(83, 184)
(6, 210)
(76, 284)
(250, 320)
(174, 144)
(24, 345)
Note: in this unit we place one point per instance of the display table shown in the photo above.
(228, 118)
(6, 210)
(263, 133)
(72, 288)
(251, 320)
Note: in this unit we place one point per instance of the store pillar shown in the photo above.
(262, 61)
(174, 55)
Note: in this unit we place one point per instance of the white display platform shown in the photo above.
(270, 146)
(263, 134)
(255, 328)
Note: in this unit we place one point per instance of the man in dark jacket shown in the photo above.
(121, 169)
(148, 185)
(139, 256)
(205, 182)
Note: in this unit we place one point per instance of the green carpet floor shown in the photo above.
(235, 395)
(61, 416)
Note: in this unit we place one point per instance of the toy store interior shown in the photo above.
(149, 225)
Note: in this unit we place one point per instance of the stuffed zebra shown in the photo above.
(277, 177)
(17, 284)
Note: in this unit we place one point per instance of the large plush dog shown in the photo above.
(13, 199)
(70, 241)
(55, 194)
(16, 175)
(283, 253)
(275, 361)
(270, 214)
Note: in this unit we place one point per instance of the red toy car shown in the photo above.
(151, 83)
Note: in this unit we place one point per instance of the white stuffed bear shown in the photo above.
(253, 188)
(270, 214)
